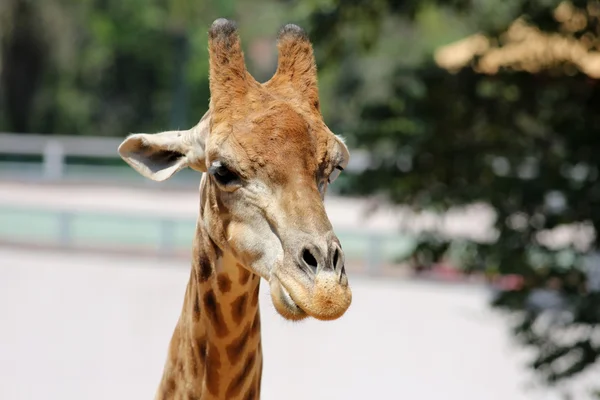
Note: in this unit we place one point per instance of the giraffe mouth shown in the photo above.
(288, 298)
(326, 298)
(284, 302)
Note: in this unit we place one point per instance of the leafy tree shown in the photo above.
(519, 135)
(103, 67)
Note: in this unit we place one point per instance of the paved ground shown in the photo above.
(77, 326)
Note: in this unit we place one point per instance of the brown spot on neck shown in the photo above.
(254, 301)
(238, 308)
(170, 387)
(213, 364)
(237, 384)
(204, 250)
(215, 314)
(224, 283)
(256, 324)
(244, 274)
(196, 307)
(198, 354)
(252, 393)
(259, 372)
(236, 349)
(204, 268)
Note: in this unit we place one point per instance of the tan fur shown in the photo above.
(267, 220)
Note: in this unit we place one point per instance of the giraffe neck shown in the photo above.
(215, 351)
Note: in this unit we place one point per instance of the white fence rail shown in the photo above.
(53, 150)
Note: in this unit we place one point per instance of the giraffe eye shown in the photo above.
(222, 174)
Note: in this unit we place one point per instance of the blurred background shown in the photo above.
(468, 213)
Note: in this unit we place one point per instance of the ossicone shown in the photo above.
(292, 31)
(229, 80)
(296, 72)
(222, 28)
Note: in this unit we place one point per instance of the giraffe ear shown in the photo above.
(159, 156)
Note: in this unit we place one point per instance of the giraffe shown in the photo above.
(266, 158)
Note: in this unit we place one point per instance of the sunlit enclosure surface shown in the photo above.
(467, 213)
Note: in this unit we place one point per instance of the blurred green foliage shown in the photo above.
(524, 143)
(103, 67)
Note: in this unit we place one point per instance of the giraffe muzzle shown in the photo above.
(314, 285)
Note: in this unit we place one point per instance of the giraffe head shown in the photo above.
(268, 158)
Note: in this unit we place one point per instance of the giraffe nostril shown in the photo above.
(336, 256)
(309, 259)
